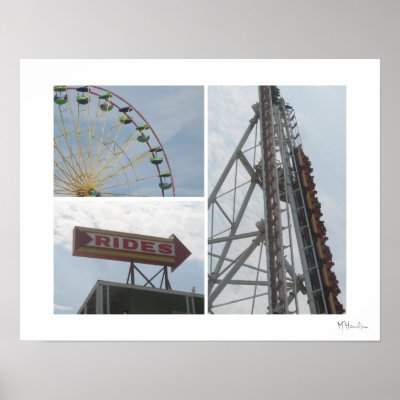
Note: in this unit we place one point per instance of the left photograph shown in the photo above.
(124, 257)
(113, 141)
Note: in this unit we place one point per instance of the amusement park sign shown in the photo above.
(110, 245)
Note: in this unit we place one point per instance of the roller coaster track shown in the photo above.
(290, 204)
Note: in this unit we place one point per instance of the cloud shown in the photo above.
(157, 218)
(74, 277)
(59, 307)
(322, 126)
(176, 114)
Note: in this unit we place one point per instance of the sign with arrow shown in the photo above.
(119, 246)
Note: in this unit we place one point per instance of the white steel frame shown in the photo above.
(274, 228)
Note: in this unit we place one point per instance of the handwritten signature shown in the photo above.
(346, 326)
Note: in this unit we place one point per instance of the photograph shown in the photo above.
(232, 197)
(277, 189)
(128, 257)
(200, 191)
(128, 141)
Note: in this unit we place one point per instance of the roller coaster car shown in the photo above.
(323, 239)
(304, 179)
(339, 307)
(330, 263)
(317, 212)
(331, 302)
(311, 203)
(306, 168)
(320, 250)
(299, 158)
(315, 225)
(318, 226)
(323, 251)
(325, 276)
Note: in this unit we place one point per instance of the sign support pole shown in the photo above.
(164, 280)
(131, 274)
(167, 284)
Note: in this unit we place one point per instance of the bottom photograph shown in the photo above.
(128, 257)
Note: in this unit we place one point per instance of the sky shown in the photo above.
(74, 276)
(321, 116)
(176, 113)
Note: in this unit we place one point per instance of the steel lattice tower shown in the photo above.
(262, 262)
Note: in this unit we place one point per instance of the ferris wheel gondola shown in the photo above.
(100, 144)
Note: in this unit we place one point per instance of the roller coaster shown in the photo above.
(289, 231)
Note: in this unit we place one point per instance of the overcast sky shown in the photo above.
(321, 115)
(176, 113)
(74, 277)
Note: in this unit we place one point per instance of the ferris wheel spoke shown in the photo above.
(122, 184)
(103, 141)
(89, 139)
(91, 134)
(67, 175)
(124, 148)
(80, 148)
(65, 134)
(65, 186)
(72, 114)
(107, 158)
(75, 163)
(77, 174)
(63, 192)
(121, 168)
(147, 178)
(75, 180)
(124, 151)
(97, 145)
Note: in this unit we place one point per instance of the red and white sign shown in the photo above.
(98, 243)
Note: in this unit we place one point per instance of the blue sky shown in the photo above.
(74, 277)
(176, 113)
(321, 115)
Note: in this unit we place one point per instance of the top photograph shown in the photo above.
(128, 141)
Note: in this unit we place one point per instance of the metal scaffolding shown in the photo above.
(269, 278)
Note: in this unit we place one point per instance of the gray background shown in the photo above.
(197, 29)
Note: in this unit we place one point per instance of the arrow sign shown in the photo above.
(119, 246)
(181, 252)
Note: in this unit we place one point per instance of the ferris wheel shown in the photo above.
(103, 146)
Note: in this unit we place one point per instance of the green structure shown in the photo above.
(119, 298)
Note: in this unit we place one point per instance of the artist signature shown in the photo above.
(346, 326)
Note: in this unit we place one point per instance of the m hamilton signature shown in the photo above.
(346, 326)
